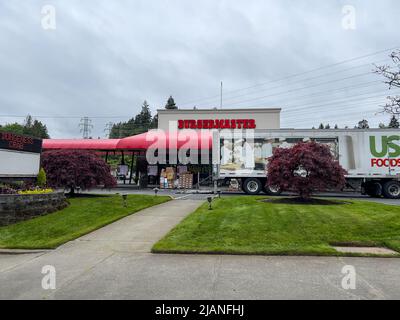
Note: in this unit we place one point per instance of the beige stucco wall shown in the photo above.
(266, 118)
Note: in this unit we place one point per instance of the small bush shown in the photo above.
(7, 190)
(41, 178)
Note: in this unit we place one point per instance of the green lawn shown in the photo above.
(84, 215)
(246, 225)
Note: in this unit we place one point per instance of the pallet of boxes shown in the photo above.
(186, 180)
(167, 178)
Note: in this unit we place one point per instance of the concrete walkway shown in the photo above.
(138, 232)
(114, 263)
(20, 274)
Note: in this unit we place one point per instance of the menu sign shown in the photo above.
(13, 141)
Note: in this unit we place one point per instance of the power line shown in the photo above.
(299, 89)
(323, 92)
(305, 106)
(308, 79)
(338, 108)
(294, 75)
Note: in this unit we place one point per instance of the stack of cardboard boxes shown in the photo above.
(186, 180)
(167, 178)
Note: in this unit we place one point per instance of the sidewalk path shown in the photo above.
(20, 274)
(115, 263)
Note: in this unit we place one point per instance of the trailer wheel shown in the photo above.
(391, 190)
(272, 191)
(373, 189)
(252, 186)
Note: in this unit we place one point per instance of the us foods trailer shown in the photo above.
(371, 157)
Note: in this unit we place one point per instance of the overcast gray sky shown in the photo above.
(105, 57)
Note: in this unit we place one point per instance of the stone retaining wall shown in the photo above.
(15, 207)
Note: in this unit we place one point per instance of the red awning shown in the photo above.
(201, 140)
(80, 144)
(155, 139)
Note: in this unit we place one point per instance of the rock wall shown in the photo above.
(15, 208)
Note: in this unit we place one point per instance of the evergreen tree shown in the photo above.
(363, 124)
(31, 127)
(336, 126)
(143, 119)
(140, 123)
(394, 123)
(321, 126)
(327, 126)
(154, 122)
(171, 104)
(13, 127)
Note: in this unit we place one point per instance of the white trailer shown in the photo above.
(19, 156)
(371, 157)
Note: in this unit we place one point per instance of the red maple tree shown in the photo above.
(305, 168)
(76, 168)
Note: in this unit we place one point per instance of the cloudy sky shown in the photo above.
(311, 58)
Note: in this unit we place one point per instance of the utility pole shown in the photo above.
(221, 95)
(108, 129)
(86, 127)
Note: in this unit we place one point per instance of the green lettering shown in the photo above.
(372, 146)
(394, 148)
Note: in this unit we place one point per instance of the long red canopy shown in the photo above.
(80, 144)
(153, 139)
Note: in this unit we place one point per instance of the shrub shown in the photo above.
(305, 168)
(7, 190)
(41, 178)
(74, 168)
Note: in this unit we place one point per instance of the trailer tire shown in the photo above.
(272, 191)
(373, 189)
(391, 190)
(252, 186)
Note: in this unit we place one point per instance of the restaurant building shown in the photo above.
(172, 173)
(206, 119)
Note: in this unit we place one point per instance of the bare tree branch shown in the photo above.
(392, 76)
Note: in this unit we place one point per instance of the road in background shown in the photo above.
(203, 194)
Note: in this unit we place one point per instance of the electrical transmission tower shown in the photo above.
(86, 127)
(108, 129)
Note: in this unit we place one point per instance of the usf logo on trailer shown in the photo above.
(385, 151)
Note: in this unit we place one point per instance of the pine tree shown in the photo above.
(336, 126)
(363, 124)
(394, 123)
(154, 122)
(171, 104)
(140, 123)
(321, 126)
(143, 120)
(327, 126)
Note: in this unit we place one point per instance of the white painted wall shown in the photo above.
(19, 164)
(266, 118)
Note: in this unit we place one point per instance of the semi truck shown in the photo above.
(371, 157)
